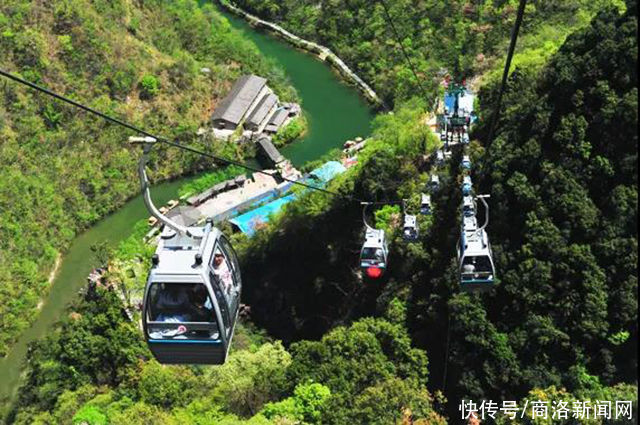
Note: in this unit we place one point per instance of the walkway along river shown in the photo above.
(323, 53)
(335, 111)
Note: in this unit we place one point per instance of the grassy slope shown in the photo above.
(537, 44)
(62, 169)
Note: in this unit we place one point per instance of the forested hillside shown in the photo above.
(96, 367)
(464, 38)
(92, 370)
(322, 346)
(561, 323)
(562, 170)
(562, 176)
(62, 169)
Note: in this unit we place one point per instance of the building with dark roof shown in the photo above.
(240, 101)
(276, 121)
(261, 112)
(268, 151)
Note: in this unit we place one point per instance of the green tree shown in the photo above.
(90, 415)
(250, 379)
(149, 86)
(305, 405)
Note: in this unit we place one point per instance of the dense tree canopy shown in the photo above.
(563, 169)
(95, 368)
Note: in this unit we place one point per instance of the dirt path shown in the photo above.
(52, 276)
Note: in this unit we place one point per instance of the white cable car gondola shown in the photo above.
(425, 204)
(467, 185)
(468, 206)
(475, 259)
(410, 228)
(439, 157)
(434, 183)
(374, 252)
(466, 162)
(192, 295)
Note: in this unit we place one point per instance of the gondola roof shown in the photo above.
(176, 255)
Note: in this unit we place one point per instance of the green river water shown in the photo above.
(335, 111)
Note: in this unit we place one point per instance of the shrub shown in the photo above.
(290, 132)
(65, 43)
(91, 415)
(149, 86)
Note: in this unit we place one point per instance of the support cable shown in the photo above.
(131, 127)
(404, 51)
(507, 65)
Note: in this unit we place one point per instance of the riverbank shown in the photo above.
(321, 52)
(334, 110)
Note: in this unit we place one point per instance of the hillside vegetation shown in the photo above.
(73, 376)
(562, 174)
(563, 168)
(324, 347)
(464, 38)
(63, 169)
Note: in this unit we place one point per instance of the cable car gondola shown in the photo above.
(192, 295)
(439, 157)
(467, 185)
(466, 162)
(434, 183)
(410, 228)
(475, 259)
(468, 206)
(374, 252)
(425, 204)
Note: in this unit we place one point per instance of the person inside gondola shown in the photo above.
(201, 310)
(373, 254)
(222, 272)
(410, 232)
(172, 304)
(468, 268)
